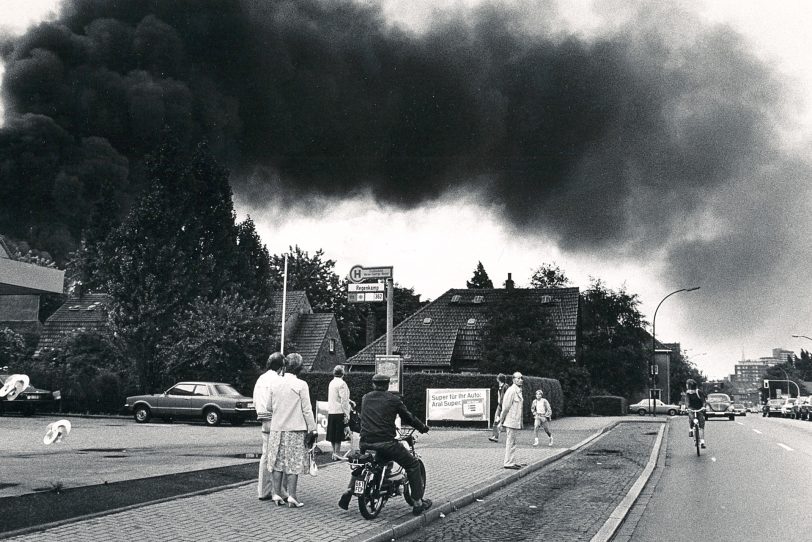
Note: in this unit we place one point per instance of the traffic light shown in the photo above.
(766, 383)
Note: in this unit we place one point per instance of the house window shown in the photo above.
(471, 322)
(478, 299)
(426, 321)
(455, 298)
(332, 346)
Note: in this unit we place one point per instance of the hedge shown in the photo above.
(608, 405)
(415, 385)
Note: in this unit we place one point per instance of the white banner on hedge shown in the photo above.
(321, 420)
(458, 404)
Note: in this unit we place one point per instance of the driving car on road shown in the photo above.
(211, 402)
(30, 400)
(644, 407)
(739, 409)
(719, 405)
(787, 407)
(774, 407)
(800, 410)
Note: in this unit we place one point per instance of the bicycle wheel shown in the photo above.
(696, 439)
(407, 489)
(371, 502)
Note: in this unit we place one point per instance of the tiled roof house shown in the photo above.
(446, 334)
(313, 335)
(86, 312)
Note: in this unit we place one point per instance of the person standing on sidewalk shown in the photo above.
(501, 382)
(263, 399)
(338, 410)
(511, 419)
(542, 412)
(292, 424)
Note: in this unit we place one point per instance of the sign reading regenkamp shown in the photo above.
(392, 366)
(458, 404)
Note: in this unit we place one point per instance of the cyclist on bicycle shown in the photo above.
(696, 402)
(378, 411)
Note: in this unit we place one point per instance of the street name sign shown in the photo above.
(374, 287)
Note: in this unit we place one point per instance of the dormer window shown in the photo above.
(471, 322)
(426, 321)
(478, 299)
(456, 298)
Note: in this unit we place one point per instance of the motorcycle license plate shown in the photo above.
(359, 487)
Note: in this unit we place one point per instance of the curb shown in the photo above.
(618, 515)
(411, 525)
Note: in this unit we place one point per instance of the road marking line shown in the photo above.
(757, 431)
(787, 448)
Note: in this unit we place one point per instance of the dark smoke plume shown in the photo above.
(625, 141)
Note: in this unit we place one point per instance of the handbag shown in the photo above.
(313, 470)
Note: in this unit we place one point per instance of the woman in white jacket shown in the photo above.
(291, 425)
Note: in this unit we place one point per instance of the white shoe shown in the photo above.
(551, 442)
(536, 442)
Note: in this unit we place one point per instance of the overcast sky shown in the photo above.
(680, 141)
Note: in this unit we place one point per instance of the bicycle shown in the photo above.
(695, 427)
(376, 481)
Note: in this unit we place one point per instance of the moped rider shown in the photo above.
(378, 411)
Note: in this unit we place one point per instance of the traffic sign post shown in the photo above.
(360, 292)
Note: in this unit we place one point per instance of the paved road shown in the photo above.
(100, 450)
(753, 483)
(567, 501)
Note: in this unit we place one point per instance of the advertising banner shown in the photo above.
(458, 404)
(392, 366)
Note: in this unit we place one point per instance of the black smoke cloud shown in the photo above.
(624, 141)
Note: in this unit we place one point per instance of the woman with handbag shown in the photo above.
(293, 430)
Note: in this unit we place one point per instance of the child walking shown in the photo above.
(542, 412)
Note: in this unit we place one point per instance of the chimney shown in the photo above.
(509, 283)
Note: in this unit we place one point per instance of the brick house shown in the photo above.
(446, 334)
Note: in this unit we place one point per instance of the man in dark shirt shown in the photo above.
(378, 411)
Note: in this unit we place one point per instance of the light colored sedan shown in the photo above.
(209, 401)
(644, 407)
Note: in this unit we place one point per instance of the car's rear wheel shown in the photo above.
(642, 411)
(142, 414)
(212, 417)
(672, 412)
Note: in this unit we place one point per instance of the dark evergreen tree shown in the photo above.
(480, 279)
(252, 271)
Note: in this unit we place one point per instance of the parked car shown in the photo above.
(739, 409)
(211, 402)
(719, 405)
(29, 401)
(644, 407)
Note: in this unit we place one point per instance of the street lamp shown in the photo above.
(802, 337)
(654, 344)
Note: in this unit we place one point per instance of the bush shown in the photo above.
(608, 405)
(415, 385)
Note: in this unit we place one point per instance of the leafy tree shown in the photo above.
(480, 279)
(548, 275)
(613, 340)
(12, 349)
(325, 290)
(225, 339)
(682, 369)
(177, 245)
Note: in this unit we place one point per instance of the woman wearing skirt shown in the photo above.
(338, 410)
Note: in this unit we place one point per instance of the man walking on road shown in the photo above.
(511, 419)
(263, 394)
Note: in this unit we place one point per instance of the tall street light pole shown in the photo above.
(802, 337)
(654, 345)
